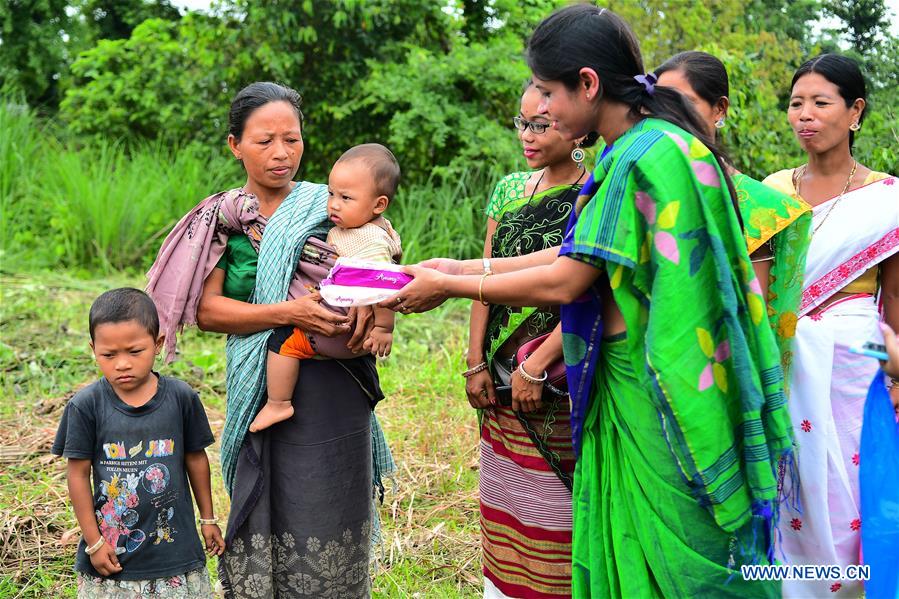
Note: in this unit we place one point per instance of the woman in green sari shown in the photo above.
(777, 226)
(678, 409)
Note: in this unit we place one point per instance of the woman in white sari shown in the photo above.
(851, 284)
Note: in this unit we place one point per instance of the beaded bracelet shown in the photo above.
(475, 369)
(531, 379)
(95, 547)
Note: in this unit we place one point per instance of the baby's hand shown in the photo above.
(379, 342)
(212, 534)
(105, 561)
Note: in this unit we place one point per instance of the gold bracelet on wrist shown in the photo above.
(212, 520)
(95, 547)
(481, 288)
(475, 369)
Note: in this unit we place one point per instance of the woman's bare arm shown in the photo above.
(221, 314)
(477, 325)
(561, 282)
(479, 386)
(498, 265)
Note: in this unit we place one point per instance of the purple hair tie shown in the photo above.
(648, 81)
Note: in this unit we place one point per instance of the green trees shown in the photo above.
(32, 49)
(437, 81)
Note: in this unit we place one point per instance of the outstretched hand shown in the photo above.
(445, 265)
(425, 292)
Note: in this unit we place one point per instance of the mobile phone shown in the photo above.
(872, 350)
(503, 395)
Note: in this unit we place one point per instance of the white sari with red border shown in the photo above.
(829, 384)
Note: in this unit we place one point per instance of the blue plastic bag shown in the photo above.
(879, 484)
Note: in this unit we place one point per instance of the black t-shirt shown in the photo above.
(142, 496)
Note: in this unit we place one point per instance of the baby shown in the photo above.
(361, 184)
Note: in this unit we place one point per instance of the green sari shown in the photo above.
(785, 222)
(686, 419)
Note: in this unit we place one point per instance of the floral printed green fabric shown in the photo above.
(785, 222)
(663, 229)
(508, 193)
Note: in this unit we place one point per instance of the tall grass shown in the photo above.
(101, 207)
(106, 207)
(19, 146)
(111, 208)
(443, 218)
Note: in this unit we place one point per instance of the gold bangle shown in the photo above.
(481, 288)
(475, 369)
(95, 547)
(212, 520)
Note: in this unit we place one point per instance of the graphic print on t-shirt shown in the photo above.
(135, 481)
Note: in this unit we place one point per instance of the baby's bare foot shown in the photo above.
(271, 413)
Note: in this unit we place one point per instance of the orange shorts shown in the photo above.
(290, 342)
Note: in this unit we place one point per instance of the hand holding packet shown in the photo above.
(354, 282)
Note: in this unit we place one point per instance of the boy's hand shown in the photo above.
(105, 561)
(379, 342)
(212, 534)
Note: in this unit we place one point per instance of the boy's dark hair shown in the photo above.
(121, 305)
(384, 167)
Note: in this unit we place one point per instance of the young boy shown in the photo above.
(142, 436)
(360, 187)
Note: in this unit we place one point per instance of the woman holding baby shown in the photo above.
(244, 262)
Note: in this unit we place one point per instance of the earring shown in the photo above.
(854, 127)
(719, 124)
(578, 154)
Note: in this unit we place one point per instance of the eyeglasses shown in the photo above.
(536, 128)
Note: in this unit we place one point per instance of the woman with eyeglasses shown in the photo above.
(678, 409)
(526, 454)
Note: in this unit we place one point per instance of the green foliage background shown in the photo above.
(114, 112)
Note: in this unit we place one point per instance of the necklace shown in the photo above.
(540, 180)
(534, 192)
(536, 185)
(798, 184)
